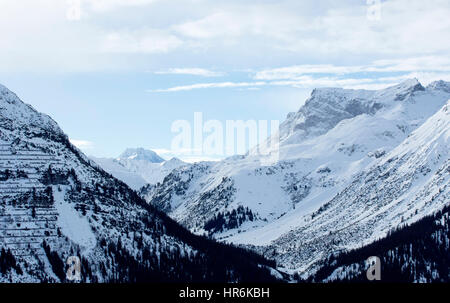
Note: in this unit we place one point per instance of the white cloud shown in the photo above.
(105, 5)
(190, 71)
(293, 72)
(414, 64)
(36, 35)
(142, 41)
(333, 28)
(82, 144)
(424, 63)
(209, 85)
(308, 82)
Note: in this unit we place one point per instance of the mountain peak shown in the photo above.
(409, 82)
(440, 85)
(408, 85)
(401, 91)
(6, 95)
(141, 154)
(326, 107)
(174, 160)
(23, 120)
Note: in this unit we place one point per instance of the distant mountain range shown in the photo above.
(360, 173)
(138, 167)
(354, 165)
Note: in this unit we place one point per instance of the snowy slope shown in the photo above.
(56, 203)
(418, 252)
(410, 182)
(120, 172)
(139, 167)
(332, 139)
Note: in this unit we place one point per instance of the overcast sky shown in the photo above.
(117, 73)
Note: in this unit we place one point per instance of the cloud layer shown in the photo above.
(375, 75)
(304, 37)
(190, 71)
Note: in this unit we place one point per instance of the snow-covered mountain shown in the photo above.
(334, 140)
(408, 183)
(138, 167)
(140, 154)
(56, 203)
(354, 165)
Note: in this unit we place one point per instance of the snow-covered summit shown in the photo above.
(326, 107)
(23, 118)
(138, 167)
(439, 85)
(408, 183)
(173, 163)
(140, 154)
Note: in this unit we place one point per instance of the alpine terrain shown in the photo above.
(55, 203)
(355, 167)
(138, 167)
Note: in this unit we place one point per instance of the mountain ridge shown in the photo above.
(140, 153)
(56, 203)
(407, 184)
(239, 201)
(138, 167)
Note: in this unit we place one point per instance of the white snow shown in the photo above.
(337, 135)
(72, 224)
(138, 170)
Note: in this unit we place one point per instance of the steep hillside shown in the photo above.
(329, 141)
(410, 182)
(56, 203)
(419, 252)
